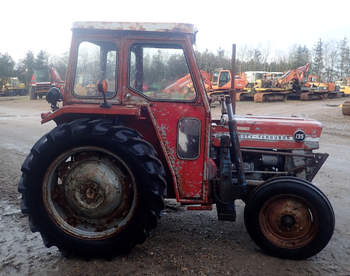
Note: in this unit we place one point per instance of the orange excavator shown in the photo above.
(294, 78)
(245, 89)
(324, 88)
(221, 80)
(216, 85)
(184, 85)
(304, 86)
(221, 84)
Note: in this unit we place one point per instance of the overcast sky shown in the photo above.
(44, 24)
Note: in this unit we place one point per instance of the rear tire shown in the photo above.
(289, 218)
(91, 188)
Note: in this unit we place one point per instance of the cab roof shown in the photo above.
(137, 26)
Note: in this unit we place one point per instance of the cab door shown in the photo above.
(160, 73)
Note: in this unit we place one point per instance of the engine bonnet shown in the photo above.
(272, 132)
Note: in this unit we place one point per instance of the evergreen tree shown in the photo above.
(41, 60)
(299, 56)
(207, 61)
(6, 66)
(26, 67)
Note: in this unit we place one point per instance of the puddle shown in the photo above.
(4, 117)
(17, 147)
(7, 116)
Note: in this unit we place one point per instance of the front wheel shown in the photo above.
(92, 189)
(289, 218)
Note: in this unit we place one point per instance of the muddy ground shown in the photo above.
(186, 242)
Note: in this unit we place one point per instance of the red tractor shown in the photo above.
(95, 184)
(42, 80)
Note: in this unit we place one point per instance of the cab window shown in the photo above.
(224, 78)
(160, 73)
(97, 61)
(215, 77)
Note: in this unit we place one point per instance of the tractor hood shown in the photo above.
(272, 132)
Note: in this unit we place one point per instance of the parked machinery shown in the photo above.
(12, 87)
(321, 90)
(42, 80)
(261, 87)
(94, 185)
(221, 82)
(306, 86)
(343, 86)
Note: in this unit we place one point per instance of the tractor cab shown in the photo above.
(140, 63)
(150, 73)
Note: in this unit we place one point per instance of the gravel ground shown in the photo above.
(186, 242)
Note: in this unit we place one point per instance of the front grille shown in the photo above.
(42, 88)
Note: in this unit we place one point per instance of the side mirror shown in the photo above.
(102, 87)
(53, 97)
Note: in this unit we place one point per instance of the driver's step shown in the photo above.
(226, 211)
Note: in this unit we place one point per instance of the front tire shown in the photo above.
(289, 218)
(91, 188)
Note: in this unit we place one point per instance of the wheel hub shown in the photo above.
(90, 195)
(287, 221)
(93, 188)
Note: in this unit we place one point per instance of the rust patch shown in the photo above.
(137, 26)
(288, 222)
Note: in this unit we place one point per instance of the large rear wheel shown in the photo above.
(289, 218)
(92, 189)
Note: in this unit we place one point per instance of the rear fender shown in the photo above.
(135, 117)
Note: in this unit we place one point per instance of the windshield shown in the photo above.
(160, 72)
(42, 75)
(97, 61)
(215, 77)
(224, 78)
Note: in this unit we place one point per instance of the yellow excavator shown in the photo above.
(12, 87)
(261, 87)
(344, 86)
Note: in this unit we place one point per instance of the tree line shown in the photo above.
(25, 68)
(329, 60)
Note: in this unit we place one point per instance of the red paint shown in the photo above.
(278, 128)
(90, 109)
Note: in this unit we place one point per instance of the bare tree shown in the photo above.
(330, 60)
(344, 59)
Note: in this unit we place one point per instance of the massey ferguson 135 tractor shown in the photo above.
(126, 138)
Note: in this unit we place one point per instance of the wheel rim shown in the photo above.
(90, 193)
(288, 221)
